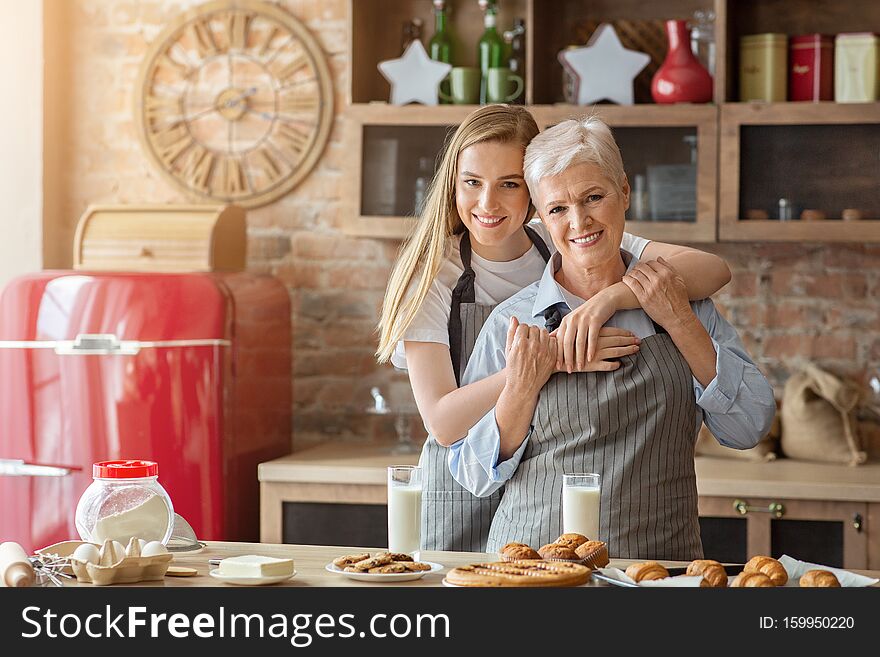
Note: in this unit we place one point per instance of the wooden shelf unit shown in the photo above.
(832, 160)
(553, 24)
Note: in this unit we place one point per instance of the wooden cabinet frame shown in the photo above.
(732, 227)
(758, 523)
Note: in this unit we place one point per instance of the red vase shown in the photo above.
(681, 78)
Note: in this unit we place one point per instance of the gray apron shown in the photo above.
(636, 427)
(453, 518)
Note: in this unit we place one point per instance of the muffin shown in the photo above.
(556, 552)
(593, 554)
(571, 540)
(518, 551)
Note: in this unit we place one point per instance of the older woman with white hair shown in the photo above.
(635, 425)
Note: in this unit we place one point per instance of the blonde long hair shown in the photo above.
(422, 254)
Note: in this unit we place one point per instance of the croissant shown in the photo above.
(822, 578)
(751, 579)
(713, 573)
(646, 570)
(770, 567)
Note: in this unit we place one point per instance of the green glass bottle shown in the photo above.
(440, 45)
(490, 49)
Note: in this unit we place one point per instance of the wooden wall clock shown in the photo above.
(234, 102)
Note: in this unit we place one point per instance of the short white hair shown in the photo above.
(575, 141)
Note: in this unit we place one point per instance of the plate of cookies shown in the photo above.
(381, 567)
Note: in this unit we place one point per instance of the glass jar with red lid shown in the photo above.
(125, 501)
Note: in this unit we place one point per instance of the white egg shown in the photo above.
(153, 548)
(86, 553)
(141, 544)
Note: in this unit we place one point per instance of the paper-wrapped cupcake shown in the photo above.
(518, 552)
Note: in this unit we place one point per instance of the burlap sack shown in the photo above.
(818, 418)
(764, 451)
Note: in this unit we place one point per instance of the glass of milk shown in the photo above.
(404, 509)
(580, 504)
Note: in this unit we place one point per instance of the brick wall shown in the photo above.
(791, 302)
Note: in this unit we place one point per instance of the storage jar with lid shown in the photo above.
(811, 68)
(763, 64)
(857, 68)
(125, 501)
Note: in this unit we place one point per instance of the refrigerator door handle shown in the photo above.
(18, 468)
(96, 343)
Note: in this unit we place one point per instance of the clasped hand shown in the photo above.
(533, 354)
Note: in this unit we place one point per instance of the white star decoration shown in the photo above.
(414, 77)
(605, 69)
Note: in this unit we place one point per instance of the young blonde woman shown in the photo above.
(475, 247)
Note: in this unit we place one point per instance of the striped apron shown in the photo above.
(453, 518)
(636, 427)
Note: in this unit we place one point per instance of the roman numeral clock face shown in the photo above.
(234, 102)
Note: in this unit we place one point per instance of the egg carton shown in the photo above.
(115, 565)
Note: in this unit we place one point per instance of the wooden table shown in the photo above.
(310, 560)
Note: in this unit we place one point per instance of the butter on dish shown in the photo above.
(252, 565)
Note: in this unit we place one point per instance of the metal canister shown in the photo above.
(811, 67)
(856, 70)
(763, 64)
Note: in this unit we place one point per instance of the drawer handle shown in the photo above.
(775, 509)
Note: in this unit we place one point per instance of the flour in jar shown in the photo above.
(148, 520)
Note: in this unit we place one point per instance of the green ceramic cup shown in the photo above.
(464, 82)
(498, 85)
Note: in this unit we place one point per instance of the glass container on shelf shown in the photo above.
(440, 45)
(423, 178)
(703, 38)
(490, 49)
(516, 43)
(638, 207)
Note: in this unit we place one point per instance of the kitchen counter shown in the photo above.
(310, 560)
(354, 464)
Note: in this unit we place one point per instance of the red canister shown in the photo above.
(811, 67)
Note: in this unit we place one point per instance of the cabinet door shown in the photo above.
(831, 533)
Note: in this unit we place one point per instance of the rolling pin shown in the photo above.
(15, 568)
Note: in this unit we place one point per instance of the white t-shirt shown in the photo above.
(495, 282)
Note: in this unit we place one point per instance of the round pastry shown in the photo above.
(822, 578)
(751, 579)
(593, 553)
(555, 552)
(714, 576)
(519, 573)
(517, 552)
(571, 540)
(646, 570)
(770, 567)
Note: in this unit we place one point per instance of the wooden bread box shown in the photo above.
(161, 238)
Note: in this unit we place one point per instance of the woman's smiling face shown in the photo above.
(584, 213)
(491, 197)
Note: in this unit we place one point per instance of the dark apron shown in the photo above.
(453, 518)
(636, 427)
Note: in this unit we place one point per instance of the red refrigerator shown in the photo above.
(190, 370)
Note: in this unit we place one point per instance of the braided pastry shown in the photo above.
(646, 570)
(823, 578)
(751, 579)
(770, 567)
(712, 572)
